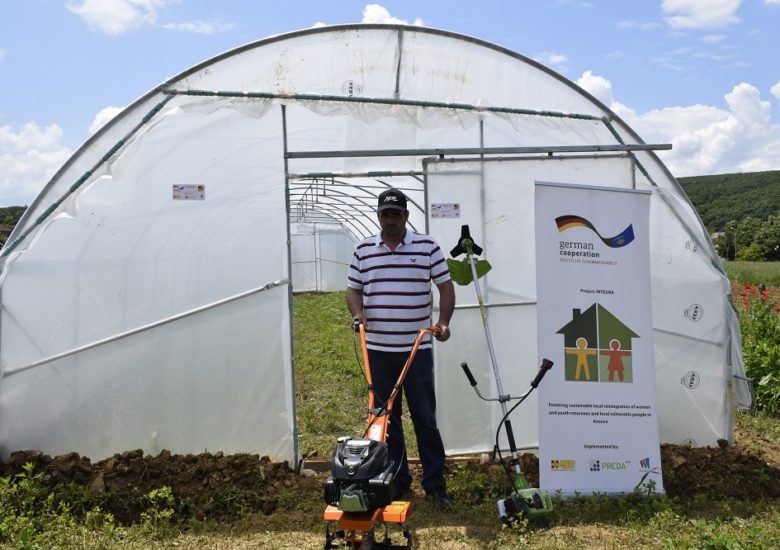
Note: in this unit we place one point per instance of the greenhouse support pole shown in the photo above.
(296, 450)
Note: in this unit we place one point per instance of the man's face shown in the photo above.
(393, 222)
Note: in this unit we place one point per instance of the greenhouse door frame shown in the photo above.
(427, 155)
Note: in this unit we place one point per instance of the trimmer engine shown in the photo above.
(361, 475)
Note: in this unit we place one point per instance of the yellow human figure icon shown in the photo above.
(582, 357)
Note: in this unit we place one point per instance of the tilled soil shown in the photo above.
(222, 487)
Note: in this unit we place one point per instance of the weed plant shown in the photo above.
(759, 316)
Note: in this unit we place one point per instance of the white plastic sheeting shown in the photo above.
(321, 254)
(133, 318)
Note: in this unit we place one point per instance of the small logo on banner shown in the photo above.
(600, 466)
(563, 465)
(570, 221)
(597, 347)
(645, 463)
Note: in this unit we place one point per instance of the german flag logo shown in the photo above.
(570, 221)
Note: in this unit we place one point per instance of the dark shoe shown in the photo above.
(402, 492)
(439, 497)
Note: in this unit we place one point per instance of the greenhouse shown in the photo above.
(146, 294)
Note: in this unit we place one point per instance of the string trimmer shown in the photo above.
(524, 499)
(359, 490)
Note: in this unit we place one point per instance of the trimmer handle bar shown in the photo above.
(543, 368)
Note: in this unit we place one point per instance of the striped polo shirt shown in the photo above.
(396, 287)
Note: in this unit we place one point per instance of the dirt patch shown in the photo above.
(718, 472)
(215, 485)
(223, 487)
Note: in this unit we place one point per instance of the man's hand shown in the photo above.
(443, 332)
(358, 320)
(355, 307)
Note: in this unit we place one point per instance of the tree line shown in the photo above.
(750, 239)
(9, 216)
(741, 211)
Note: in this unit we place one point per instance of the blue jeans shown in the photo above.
(386, 366)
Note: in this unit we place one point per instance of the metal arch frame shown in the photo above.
(362, 200)
(337, 206)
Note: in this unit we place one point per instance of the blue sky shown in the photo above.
(703, 75)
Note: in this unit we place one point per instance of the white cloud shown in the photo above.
(319, 24)
(29, 156)
(705, 139)
(557, 61)
(700, 14)
(2, 55)
(598, 86)
(772, 2)
(117, 16)
(776, 88)
(200, 27)
(105, 114)
(375, 13)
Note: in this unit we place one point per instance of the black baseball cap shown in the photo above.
(391, 199)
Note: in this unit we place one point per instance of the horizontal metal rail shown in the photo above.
(384, 101)
(438, 152)
(143, 328)
(385, 174)
(502, 304)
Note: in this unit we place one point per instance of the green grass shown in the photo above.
(331, 389)
(753, 273)
(330, 386)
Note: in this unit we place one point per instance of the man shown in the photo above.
(389, 292)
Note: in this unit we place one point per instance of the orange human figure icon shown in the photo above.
(615, 360)
(582, 358)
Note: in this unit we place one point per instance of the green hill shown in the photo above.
(726, 197)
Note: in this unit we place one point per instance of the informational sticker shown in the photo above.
(443, 210)
(189, 192)
(375, 432)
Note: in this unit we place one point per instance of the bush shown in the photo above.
(760, 325)
(754, 252)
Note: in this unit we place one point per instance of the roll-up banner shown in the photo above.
(598, 428)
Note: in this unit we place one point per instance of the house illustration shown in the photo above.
(597, 347)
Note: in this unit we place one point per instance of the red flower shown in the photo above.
(745, 304)
(742, 295)
(752, 290)
(747, 287)
(777, 309)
